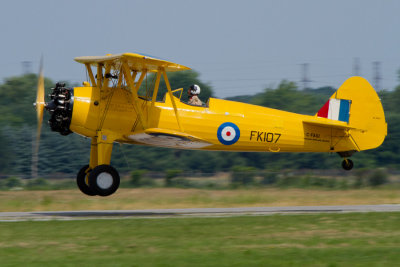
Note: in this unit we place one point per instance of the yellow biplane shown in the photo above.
(109, 108)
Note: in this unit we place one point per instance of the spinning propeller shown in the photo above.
(39, 104)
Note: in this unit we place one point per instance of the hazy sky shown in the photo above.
(239, 47)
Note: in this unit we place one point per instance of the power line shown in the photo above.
(356, 67)
(376, 65)
(26, 67)
(304, 71)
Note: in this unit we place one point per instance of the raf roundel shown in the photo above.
(228, 133)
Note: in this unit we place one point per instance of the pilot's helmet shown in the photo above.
(194, 89)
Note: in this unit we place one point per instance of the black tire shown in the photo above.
(347, 164)
(80, 181)
(104, 180)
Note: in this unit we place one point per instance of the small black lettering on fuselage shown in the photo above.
(316, 137)
(313, 135)
(264, 136)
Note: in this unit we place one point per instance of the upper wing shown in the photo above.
(136, 62)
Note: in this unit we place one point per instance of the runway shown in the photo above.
(194, 212)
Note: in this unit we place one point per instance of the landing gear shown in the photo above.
(81, 181)
(104, 180)
(99, 178)
(347, 164)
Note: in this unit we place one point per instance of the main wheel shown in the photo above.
(81, 181)
(347, 164)
(104, 180)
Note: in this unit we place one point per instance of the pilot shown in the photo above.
(193, 92)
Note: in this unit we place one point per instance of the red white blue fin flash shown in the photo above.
(336, 109)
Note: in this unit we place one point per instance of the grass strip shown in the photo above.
(354, 239)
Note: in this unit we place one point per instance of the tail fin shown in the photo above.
(357, 104)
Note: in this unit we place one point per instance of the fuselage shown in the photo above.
(221, 124)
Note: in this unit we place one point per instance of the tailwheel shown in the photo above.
(104, 180)
(347, 164)
(82, 180)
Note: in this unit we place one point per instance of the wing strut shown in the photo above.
(90, 72)
(155, 92)
(131, 83)
(103, 92)
(172, 98)
(99, 75)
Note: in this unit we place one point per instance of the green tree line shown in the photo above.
(67, 154)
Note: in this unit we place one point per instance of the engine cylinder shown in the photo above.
(60, 108)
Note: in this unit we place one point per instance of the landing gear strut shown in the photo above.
(99, 178)
(347, 164)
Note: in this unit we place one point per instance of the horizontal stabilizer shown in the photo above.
(328, 123)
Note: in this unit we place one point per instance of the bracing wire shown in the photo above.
(125, 158)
